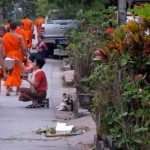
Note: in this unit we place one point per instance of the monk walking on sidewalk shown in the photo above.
(14, 47)
(2, 32)
(28, 27)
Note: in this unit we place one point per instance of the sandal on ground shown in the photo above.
(33, 106)
(8, 91)
(8, 94)
(17, 93)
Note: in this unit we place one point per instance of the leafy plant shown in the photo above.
(142, 10)
(119, 75)
(122, 104)
(84, 41)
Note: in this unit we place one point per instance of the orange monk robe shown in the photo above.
(43, 19)
(30, 35)
(28, 62)
(38, 24)
(27, 37)
(7, 27)
(22, 32)
(28, 27)
(12, 48)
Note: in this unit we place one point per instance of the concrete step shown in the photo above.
(65, 64)
(69, 77)
(83, 112)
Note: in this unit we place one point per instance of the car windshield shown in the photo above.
(56, 15)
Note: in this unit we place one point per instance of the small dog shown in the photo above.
(66, 101)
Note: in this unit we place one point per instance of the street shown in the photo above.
(18, 124)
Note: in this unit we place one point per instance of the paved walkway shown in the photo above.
(17, 123)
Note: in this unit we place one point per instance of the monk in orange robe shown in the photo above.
(21, 31)
(3, 71)
(28, 27)
(14, 47)
(7, 26)
(38, 23)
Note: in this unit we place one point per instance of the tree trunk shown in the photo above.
(122, 11)
(1, 13)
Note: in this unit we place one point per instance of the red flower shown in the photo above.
(145, 53)
(146, 44)
(109, 30)
(140, 90)
(139, 76)
(112, 46)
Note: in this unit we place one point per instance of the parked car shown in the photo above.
(57, 23)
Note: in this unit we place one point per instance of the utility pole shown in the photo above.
(122, 11)
(1, 12)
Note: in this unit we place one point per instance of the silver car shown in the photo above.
(57, 23)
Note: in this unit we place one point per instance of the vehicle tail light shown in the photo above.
(42, 30)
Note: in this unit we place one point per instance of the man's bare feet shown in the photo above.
(8, 91)
(11, 89)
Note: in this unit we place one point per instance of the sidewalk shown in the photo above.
(17, 123)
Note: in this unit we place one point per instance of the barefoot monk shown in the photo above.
(14, 47)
